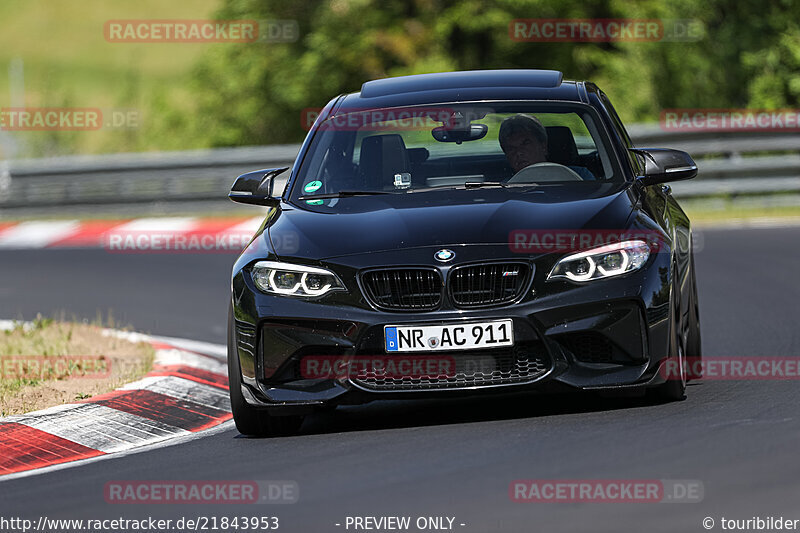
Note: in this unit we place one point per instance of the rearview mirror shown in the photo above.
(256, 187)
(459, 135)
(663, 165)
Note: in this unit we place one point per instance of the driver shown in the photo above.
(523, 139)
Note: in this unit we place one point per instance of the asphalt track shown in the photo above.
(740, 439)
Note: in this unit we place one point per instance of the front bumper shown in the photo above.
(607, 334)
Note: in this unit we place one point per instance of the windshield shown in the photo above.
(415, 149)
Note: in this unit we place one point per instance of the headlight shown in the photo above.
(604, 262)
(294, 280)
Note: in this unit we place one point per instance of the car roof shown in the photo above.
(466, 86)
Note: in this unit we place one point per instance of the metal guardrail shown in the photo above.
(136, 178)
(200, 179)
(701, 144)
(730, 163)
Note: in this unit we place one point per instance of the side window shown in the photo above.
(623, 133)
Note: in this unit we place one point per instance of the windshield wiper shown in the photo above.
(504, 185)
(341, 194)
(467, 185)
(481, 184)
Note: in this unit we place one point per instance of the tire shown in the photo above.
(674, 389)
(250, 420)
(694, 345)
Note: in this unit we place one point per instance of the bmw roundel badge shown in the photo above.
(444, 255)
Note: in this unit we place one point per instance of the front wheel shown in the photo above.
(694, 345)
(677, 373)
(248, 419)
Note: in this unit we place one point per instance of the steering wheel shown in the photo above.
(544, 171)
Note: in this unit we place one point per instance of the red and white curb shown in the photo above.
(201, 234)
(110, 233)
(185, 393)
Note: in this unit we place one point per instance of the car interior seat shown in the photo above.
(561, 147)
(381, 157)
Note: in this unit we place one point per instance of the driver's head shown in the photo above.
(524, 141)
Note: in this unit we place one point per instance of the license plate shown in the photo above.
(470, 336)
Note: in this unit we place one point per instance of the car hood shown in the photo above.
(473, 217)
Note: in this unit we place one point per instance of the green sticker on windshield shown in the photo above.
(315, 202)
(312, 186)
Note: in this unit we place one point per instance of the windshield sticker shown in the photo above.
(312, 186)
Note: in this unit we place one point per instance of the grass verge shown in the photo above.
(709, 216)
(47, 363)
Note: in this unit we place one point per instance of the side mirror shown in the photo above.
(663, 165)
(255, 187)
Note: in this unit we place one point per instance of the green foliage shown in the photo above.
(255, 93)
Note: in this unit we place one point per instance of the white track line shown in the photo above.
(99, 427)
(225, 426)
(184, 389)
(206, 348)
(37, 234)
(248, 226)
(164, 224)
(180, 357)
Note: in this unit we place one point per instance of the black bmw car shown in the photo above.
(462, 233)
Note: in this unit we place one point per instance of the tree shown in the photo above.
(255, 93)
